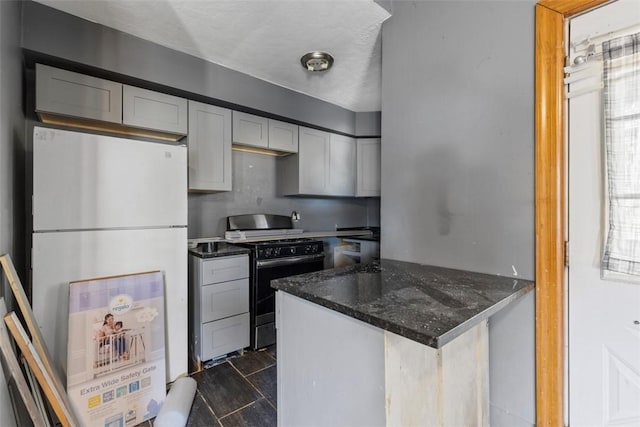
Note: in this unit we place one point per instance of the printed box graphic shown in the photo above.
(116, 343)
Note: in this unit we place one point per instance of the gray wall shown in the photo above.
(11, 159)
(254, 190)
(458, 161)
(52, 32)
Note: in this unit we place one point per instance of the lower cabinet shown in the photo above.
(218, 306)
(224, 336)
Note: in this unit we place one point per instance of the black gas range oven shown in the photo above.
(284, 255)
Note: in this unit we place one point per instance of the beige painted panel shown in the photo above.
(445, 387)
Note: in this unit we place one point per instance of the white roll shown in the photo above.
(176, 407)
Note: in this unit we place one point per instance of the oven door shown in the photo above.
(264, 295)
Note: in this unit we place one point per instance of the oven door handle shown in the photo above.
(288, 261)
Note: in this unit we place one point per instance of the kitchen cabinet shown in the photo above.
(256, 131)
(342, 165)
(250, 130)
(368, 167)
(153, 110)
(73, 94)
(209, 148)
(283, 136)
(219, 305)
(325, 165)
(77, 100)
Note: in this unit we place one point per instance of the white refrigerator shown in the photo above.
(105, 206)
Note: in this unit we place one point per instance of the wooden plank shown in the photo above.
(15, 372)
(32, 325)
(27, 313)
(36, 391)
(56, 400)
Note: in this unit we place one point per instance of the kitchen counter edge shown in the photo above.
(424, 279)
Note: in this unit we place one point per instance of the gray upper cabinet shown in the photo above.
(250, 130)
(71, 94)
(209, 145)
(325, 166)
(153, 110)
(283, 136)
(77, 100)
(368, 167)
(313, 162)
(256, 131)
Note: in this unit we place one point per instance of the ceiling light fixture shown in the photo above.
(316, 61)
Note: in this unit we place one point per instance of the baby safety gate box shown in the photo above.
(116, 349)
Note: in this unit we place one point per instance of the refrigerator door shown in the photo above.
(60, 258)
(85, 181)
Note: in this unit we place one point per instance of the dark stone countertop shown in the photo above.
(427, 304)
(222, 249)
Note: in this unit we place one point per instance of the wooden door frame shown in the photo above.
(550, 181)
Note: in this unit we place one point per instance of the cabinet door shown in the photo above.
(209, 147)
(224, 299)
(368, 169)
(224, 336)
(283, 136)
(313, 158)
(223, 269)
(342, 166)
(153, 110)
(72, 94)
(250, 130)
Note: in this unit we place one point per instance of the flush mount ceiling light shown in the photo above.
(316, 61)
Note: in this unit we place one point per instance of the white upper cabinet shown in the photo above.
(153, 110)
(76, 95)
(250, 130)
(209, 148)
(342, 166)
(325, 165)
(283, 136)
(256, 131)
(368, 167)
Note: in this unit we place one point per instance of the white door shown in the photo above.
(603, 315)
(87, 181)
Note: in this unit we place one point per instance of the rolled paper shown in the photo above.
(176, 407)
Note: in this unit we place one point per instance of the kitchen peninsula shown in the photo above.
(388, 343)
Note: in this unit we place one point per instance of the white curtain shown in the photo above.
(621, 75)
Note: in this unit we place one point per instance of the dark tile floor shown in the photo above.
(241, 391)
(238, 392)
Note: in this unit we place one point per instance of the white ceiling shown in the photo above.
(262, 38)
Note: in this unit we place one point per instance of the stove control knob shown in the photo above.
(268, 252)
(292, 250)
(276, 251)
